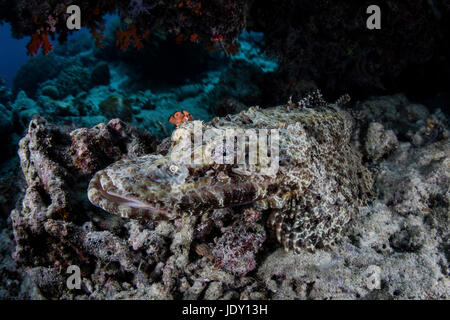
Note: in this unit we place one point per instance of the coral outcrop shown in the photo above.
(77, 82)
(316, 40)
(214, 231)
(379, 142)
(396, 247)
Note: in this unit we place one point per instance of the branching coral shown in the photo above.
(125, 37)
(319, 41)
(95, 23)
(38, 41)
(200, 21)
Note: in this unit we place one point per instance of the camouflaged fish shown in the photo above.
(316, 189)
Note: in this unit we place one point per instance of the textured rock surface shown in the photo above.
(404, 233)
(402, 237)
(379, 142)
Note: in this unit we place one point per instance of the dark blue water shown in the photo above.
(13, 53)
(168, 75)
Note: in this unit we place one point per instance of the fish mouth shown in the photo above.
(124, 201)
(124, 205)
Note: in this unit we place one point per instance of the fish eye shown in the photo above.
(173, 168)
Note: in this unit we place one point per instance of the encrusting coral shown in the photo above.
(318, 188)
(180, 117)
(38, 41)
(125, 37)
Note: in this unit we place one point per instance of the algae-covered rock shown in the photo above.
(116, 107)
(379, 141)
(50, 91)
(100, 75)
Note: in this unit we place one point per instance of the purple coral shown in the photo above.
(137, 7)
(235, 251)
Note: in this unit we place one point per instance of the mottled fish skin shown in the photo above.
(318, 188)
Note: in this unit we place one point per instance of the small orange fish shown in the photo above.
(180, 117)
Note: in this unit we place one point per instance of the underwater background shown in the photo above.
(144, 61)
(77, 84)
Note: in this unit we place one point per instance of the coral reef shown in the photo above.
(379, 142)
(329, 43)
(213, 231)
(116, 106)
(100, 75)
(228, 253)
(215, 23)
(320, 41)
(317, 189)
(236, 249)
(75, 82)
(360, 200)
(402, 236)
(5, 92)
